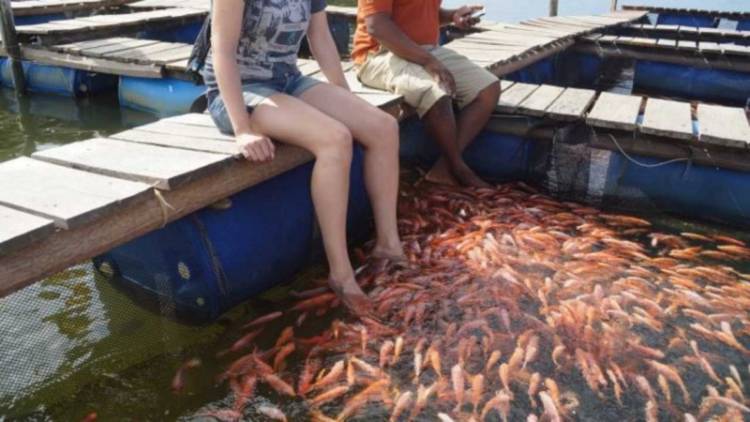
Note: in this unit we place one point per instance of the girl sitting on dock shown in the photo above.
(256, 92)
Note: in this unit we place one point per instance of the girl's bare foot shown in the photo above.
(352, 296)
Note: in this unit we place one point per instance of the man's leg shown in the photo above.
(477, 93)
(420, 90)
(469, 122)
(440, 121)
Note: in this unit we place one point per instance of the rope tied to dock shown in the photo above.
(165, 207)
(636, 162)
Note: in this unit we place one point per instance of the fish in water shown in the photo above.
(515, 304)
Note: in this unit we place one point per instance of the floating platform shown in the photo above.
(136, 199)
(62, 7)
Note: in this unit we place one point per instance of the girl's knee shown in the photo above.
(334, 142)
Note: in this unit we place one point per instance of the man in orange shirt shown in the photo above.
(396, 49)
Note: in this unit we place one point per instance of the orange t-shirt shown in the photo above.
(419, 19)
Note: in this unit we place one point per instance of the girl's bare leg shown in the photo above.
(378, 133)
(331, 143)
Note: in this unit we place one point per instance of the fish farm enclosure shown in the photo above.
(147, 273)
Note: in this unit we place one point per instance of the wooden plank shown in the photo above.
(125, 44)
(83, 45)
(615, 111)
(687, 45)
(172, 128)
(536, 104)
(177, 141)
(721, 125)
(34, 8)
(19, 229)
(667, 118)
(70, 198)
(572, 104)
(90, 64)
(510, 99)
(198, 119)
(165, 168)
(33, 262)
(666, 43)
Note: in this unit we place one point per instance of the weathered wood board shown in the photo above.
(724, 125)
(511, 98)
(615, 111)
(69, 197)
(48, 7)
(18, 229)
(572, 104)
(219, 146)
(165, 168)
(537, 103)
(668, 118)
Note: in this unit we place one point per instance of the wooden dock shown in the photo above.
(688, 11)
(136, 181)
(688, 33)
(505, 48)
(700, 54)
(101, 26)
(51, 7)
(712, 125)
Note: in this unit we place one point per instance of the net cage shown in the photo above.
(593, 294)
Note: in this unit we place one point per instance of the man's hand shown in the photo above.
(462, 16)
(442, 75)
(255, 147)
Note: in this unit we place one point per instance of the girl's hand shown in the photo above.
(255, 147)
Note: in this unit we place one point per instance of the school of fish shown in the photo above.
(513, 306)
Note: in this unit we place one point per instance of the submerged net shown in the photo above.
(513, 306)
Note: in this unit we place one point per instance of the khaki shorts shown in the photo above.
(388, 72)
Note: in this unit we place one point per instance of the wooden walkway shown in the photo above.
(117, 56)
(701, 124)
(670, 44)
(502, 48)
(100, 26)
(686, 11)
(683, 32)
(48, 7)
(699, 54)
(505, 48)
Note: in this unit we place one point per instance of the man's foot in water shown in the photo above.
(467, 177)
(441, 174)
(351, 296)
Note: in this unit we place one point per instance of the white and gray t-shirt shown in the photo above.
(272, 31)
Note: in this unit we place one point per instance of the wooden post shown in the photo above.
(613, 7)
(553, 7)
(10, 44)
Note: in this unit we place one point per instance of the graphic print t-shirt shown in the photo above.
(272, 31)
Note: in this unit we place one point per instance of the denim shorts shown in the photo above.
(255, 92)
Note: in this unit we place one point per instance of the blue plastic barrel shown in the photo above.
(57, 80)
(163, 97)
(686, 20)
(703, 84)
(698, 191)
(209, 261)
(495, 156)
